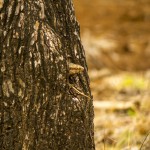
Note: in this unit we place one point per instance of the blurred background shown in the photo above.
(116, 38)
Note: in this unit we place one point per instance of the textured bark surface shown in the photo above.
(38, 108)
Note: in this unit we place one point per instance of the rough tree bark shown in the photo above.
(42, 104)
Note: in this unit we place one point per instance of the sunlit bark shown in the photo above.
(38, 108)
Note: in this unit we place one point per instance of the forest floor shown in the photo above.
(122, 109)
(116, 38)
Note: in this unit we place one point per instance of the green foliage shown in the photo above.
(131, 112)
(132, 81)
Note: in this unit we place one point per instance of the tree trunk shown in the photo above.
(45, 99)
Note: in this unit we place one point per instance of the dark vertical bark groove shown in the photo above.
(38, 108)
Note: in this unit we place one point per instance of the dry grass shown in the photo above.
(122, 117)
